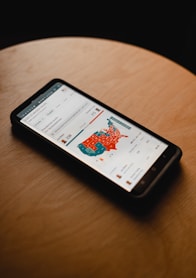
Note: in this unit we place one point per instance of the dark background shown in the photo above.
(169, 30)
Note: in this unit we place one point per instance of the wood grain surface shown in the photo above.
(54, 221)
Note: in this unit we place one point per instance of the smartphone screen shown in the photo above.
(115, 147)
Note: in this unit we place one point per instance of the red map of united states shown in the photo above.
(101, 141)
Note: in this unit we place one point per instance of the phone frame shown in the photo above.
(160, 167)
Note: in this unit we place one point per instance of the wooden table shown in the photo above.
(55, 224)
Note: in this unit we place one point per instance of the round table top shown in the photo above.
(56, 224)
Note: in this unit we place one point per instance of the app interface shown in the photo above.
(96, 136)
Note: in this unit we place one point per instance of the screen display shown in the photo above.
(98, 137)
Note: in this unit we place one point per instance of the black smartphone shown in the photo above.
(125, 153)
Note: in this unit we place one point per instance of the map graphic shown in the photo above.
(101, 141)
